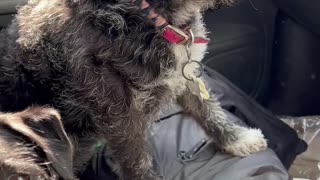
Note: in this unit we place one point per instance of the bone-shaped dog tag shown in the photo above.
(203, 91)
(194, 89)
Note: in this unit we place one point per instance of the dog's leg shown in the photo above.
(239, 141)
(126, 139)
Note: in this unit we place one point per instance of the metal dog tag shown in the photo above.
(194, 89)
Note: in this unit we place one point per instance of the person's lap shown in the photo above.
(174, 139)
(180, 152)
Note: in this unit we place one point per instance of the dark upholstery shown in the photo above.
(296, 67)
(241, 46)
(271, 50)
(306, 12)
(296, 70)
(7, 8)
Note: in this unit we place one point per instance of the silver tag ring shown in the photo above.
(197, 75)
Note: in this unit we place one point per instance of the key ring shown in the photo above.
(197, 75)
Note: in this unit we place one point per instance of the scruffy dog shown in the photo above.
(107, 66)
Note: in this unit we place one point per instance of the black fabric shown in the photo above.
(241, 43)
(305, 12)
(295, 70)
(282, 139)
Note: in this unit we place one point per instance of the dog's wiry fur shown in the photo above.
(107, 70)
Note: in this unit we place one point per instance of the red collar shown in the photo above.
(170, 33)
(178, 36)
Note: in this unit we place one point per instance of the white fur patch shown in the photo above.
(31, 21)
(250, 141)
(197, 51)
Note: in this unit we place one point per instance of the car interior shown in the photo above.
(270, 49)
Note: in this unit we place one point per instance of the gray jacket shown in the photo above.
(180, 153)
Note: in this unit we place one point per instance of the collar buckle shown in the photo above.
(174, 35)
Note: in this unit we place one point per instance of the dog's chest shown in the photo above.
(174, 83)
(177, 78)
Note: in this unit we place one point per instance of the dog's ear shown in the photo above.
(33, 142)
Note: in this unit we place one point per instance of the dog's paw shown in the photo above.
(249, 141)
